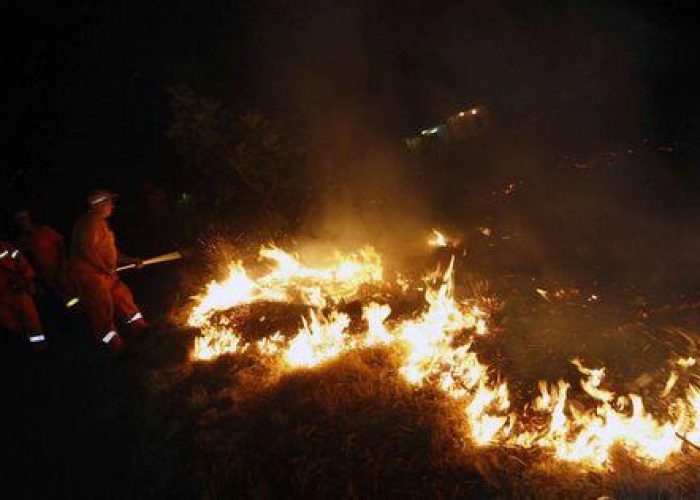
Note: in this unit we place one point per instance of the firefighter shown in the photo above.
(46, 249)
(93, 261)
(18, 313)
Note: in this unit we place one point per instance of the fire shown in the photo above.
(437, 347)
(588, 436)
(319, 341)
(287, 280)
(375, 315)
(439, 240)
(686, 362)
(590, 385)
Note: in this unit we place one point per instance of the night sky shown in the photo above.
(86, 104)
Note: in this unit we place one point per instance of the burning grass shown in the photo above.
(355, 401)
(354, 427)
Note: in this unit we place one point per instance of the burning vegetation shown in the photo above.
(363, 374)
(355, 310)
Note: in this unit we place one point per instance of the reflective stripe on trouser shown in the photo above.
(18, 313)
(103, 297)
(36, 338)
(107, 338)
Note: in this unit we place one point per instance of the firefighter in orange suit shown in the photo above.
(93, 261)
(46, 249)
(18, 313)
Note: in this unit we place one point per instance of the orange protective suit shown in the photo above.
(93, 263)
(46, 248)
(18, 313)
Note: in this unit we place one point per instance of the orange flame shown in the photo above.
(434, 351)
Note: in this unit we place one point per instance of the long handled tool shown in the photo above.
(154, 260)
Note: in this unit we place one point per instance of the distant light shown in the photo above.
(462, 113)
(473, 111)
(430, 131)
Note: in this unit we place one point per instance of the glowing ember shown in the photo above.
(436, 347)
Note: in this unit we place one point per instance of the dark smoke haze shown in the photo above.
(353, 79)
(567, 78)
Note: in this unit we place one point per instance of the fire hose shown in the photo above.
(147, 262)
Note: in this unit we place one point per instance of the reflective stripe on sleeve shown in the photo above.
(135, 317)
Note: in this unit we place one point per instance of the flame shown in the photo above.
(670, 383)
(288, 280)
(437, 348)
(688, 423)
(686, 362)
(438, 240)
(319, 341)
(375, 315)
(592, 383)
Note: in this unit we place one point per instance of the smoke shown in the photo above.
(571, 79)
(320, 61)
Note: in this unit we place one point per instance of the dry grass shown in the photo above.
(351, 428)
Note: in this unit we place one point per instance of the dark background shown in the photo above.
(85, 101)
